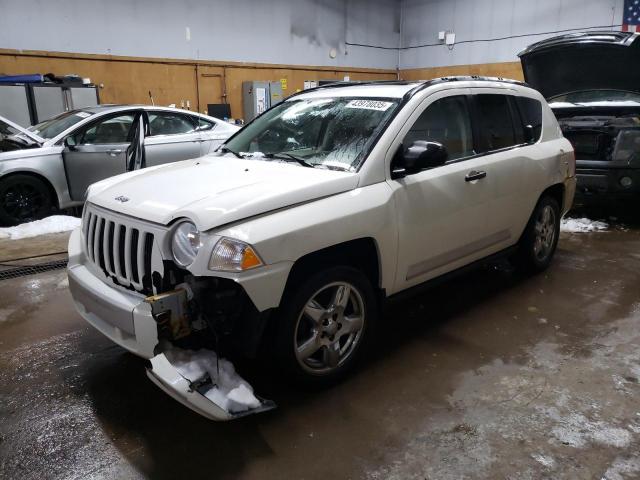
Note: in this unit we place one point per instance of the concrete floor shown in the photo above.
(488, 376)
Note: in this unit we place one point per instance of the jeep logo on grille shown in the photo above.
(122, 199)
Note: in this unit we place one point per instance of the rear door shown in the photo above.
(172, 136)
(507, 156)
(97, 151)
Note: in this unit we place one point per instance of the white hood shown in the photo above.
(213, 191)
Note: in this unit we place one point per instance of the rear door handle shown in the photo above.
(475, 175)
(114, 151)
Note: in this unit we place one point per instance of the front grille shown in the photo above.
(121, 251)
(590, 145)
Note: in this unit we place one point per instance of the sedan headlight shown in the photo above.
(233, 256)
(185, 243)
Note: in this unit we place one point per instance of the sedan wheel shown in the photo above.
(23, 198)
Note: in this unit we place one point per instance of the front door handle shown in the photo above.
(475, 175)
(114, 151)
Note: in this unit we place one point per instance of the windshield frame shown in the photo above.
(398, 105)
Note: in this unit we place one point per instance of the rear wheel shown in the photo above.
(23, 198)
(540, 239)
(326, 325)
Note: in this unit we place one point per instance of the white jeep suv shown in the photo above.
(297, 229)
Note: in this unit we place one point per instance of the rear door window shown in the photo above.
(169, 123)
(531, 113)
(495, 121)
(448, 122)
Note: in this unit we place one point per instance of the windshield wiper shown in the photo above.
(289, 157)
(228, 150)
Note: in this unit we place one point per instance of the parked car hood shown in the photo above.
(24, 131)
(216, 190)
(583, 61)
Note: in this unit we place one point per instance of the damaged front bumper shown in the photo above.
(193, 393)
(133, 322)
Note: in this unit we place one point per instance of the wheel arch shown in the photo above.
(52, 191)
(556, 192)
(361, 253)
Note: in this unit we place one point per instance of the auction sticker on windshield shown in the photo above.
(369, 104)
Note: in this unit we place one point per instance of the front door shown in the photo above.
(173, 136)
(442, 211)
(96, 152)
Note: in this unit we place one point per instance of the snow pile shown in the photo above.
(577, 225)
(230, 391)
(53, 224)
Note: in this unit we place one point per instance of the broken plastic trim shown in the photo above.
(192, 394)
(171, 312)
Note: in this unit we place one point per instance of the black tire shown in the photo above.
(540, 238)
(294, 326)
(24, 198)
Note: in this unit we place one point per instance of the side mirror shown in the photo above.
(420, 155)
(70, 143)
(529, 134)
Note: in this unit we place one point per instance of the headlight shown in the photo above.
(185, 243)
(233, 256)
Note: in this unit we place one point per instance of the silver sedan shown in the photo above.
(50, 165)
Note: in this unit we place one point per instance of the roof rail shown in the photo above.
(422, 84)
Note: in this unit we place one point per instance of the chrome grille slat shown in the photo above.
(127, 257)
(120, 249)
(96, 240)
(106, 246)
(140, 258)
(92, 226)
(117, 253)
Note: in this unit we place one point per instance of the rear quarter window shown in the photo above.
(531, 113)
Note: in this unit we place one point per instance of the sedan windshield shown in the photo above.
(58, 124)
(592, 96)
(332, 133)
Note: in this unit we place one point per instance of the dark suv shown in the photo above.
(592, 83)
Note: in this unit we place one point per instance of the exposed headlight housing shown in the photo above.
(231, 255)
(185, 243)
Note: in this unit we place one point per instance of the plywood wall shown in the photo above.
(129, 80)
(504, 69)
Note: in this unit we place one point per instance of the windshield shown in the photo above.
(590, 96)
(321, 132)
(58, 124)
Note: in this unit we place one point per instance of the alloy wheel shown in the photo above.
(329, 328)
(23, 201)
(545, 233)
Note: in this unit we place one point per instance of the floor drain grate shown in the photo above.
(25, 270)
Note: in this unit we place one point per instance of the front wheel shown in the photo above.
(540, 238)
(326, 324)
(23, 198)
